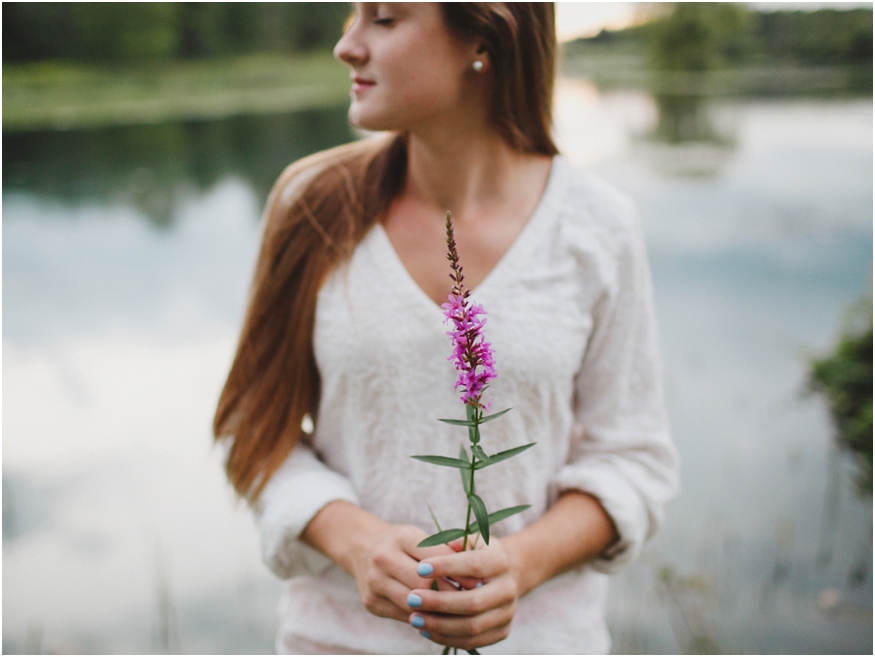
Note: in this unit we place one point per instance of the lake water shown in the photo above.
(127, 253)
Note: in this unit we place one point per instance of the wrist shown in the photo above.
(341, 531)
(525, 568)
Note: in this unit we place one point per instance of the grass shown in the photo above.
(64, 95)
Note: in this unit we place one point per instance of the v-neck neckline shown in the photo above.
(523, 241)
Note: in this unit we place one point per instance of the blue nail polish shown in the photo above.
(417, 621)
(478, 585)
(414, 600)
(425, 634)
(424, 569)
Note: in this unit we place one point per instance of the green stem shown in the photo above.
(468, 512)
(474, 441)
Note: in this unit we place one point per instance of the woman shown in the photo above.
(344, 329)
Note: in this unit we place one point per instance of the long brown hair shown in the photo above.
(321, 207)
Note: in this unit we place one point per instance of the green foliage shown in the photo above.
(481, 514)
(845, 378)
(496, 516)
(443, 460)
(503, 456)
(136, 32)
(698, 36)
(440, 538)
(693, 36)
(827, 36)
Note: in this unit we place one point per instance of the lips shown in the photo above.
(360, 84)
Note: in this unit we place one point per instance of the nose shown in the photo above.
(350, 49)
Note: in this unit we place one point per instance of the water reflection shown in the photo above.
(686, 140)
(685, 117)
(148, 167)
(126, 256)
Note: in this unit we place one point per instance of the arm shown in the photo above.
(296, 492)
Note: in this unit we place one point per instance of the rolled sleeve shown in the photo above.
(622, 452)
(296, 492)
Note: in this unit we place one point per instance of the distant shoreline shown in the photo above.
(626, 70)
(64, 96)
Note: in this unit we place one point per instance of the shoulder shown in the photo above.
(592, 198)
(593, 208)
(296, 177)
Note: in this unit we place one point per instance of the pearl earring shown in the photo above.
(478, 66)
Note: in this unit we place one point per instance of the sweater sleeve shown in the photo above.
(296, 492)
(621, 451)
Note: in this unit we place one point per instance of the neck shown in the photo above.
(463, 170)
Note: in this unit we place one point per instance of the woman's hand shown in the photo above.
(574, 530)
(468, 618)
(382, 557)
(385, 569)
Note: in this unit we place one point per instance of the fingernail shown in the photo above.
(414, 601)
(425, 634)
(417, 621)
(424, 569)
(478, 585)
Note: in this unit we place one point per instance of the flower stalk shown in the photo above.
(473, 358)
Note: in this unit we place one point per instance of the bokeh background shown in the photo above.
(139, 144)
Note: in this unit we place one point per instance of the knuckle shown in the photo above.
(381, 559)
(476, 626)
(370, 600)
(372, 584)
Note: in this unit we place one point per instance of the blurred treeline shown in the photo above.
(700, 36)
(142, 32)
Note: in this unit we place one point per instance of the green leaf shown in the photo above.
(466, 473)
(444, 460)
(495, 516)
(433, 518)
(446, 651)
(472, 651)
(481, 514)
(480, 454)
(442, 537)
(494, 416)
(458, 423)
(471, 413)
(434, 586)
(503, 456)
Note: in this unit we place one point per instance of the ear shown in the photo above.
(481, 54)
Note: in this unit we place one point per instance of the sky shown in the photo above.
(583, 19)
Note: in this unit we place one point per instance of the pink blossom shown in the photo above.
(472, 355)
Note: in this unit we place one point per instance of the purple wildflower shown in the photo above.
(472, 355)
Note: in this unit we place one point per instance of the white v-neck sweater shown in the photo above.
(571, 321)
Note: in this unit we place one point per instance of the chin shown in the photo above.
(370, 123)
(372, 120)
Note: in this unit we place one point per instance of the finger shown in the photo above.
(386, 597)
(473, 564)
(495, 594)
(413, 539)
(458, 545)
(486, 639)
(445, 584)
(464, 632)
